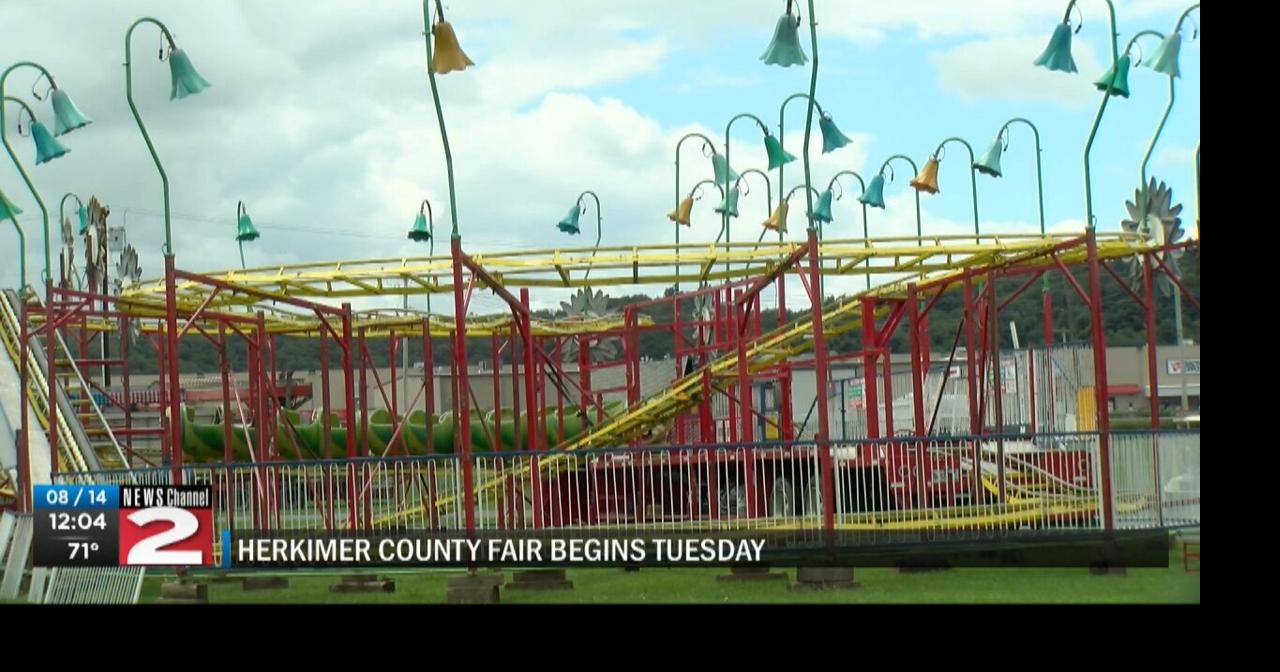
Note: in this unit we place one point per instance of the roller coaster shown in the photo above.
(584, 431)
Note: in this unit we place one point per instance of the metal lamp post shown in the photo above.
(47, 146)
(927, 179)
(1057, 56)
(569, 224)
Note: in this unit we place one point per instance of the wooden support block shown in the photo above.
(823, 578)
(540, 579)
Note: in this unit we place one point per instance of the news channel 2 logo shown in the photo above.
(129, 525)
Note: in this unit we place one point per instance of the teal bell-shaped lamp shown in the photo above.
(778, 156)
(989, 164)
(822, 209)
(785, 48)
(1120, 72)
(874, 195)
(7, 208)
(1165, 59)
(1057, 55)
(186, 81)
(832, 138)
(83, 215)
(420, 233)
(730, 204)
(245, 231)
(724, 174)
(422, 224)
(569, 224)
(47, 147)
(67, 117)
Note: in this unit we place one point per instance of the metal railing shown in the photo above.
(1040, 481)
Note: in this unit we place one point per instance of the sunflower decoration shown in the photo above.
(703, 312)
(68, 247)
(1153, 216)
(128, 272)
(583, 306)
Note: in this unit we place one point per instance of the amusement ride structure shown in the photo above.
(581, 431)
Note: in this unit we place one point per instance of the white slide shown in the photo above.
(9, 404)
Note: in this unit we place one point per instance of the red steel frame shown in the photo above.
(735, 324)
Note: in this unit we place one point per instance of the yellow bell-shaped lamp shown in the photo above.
(927, 180)
(778, 220)
(448, 55)
(683, 212)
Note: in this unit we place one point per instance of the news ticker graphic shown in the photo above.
(120, 525)
(296, 549)
(175, 526)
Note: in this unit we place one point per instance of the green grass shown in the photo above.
(699, 586)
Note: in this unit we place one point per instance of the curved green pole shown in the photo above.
(128, 93)
(782, 127)
(431, 238)
(1197, 191)
(1146, 159)
(1102, 108)
(1177, 298)
(808, 122)
(707, 144)
(599, 224)
(764, 128)
(914, 171)
(699, 185)
(808, 192)
(1039, 170)
(865, 235)
(768, 192)
(4, 137)
(435, 97)
(692, 192)
(62, 217)
(62, 205)
(240, 209)
(973, 182)
(22, 254)
(812, 191)
(1142, 171)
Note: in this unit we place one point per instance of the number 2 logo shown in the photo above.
(151, 550)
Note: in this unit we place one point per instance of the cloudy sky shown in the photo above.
(320, 117)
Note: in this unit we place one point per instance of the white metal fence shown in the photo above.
(1010, 482)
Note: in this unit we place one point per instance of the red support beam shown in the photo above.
(51, 377)
(754, 505)
(429, 385)
(463, 385)
(870, 366)
(1100, 380)
(224, 370)
(788, 262)
(491, 282)
(171, 351)
(821, 373)
(326, 406)
(349, 411)
(917, 374)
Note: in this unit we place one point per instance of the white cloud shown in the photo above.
(320, 118)
(1176, 157)
(1001, 68)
